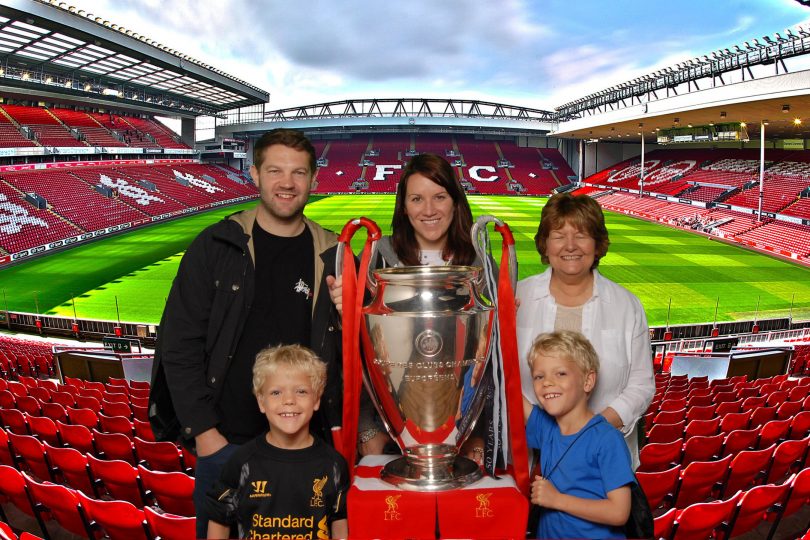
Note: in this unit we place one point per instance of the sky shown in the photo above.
(538, 54)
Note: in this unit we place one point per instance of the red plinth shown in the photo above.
(488, 508)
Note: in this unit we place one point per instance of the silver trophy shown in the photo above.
(426, 341)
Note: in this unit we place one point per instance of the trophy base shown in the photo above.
(431, 475)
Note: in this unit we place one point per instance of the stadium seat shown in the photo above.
(734, 421)
(800, 425)
(143, 430)
(772, 432)
(54, 411)
(88, 402)
(5, 453)
(40, 393)
(118, 478)
(159, 456)
(673, 404)
(44, 429)
(52, 501)
(120, 520)
(17, 388)
(669, 417)
(705, 428)
(29, 453)
(776, 398)
(28, 405)
(656, 457)
(90, 392)
(71, 468)
(702, 448)
(14, 421)
(755, 506)
(7, 399)
(700, 413)
(663, 524)
(169, 526)
(114, 446)
(116, 408)
(660, 487)
(761, 415)
(748, 468)
(663, 433)
(116, 424)
(797, 498)
(701, 480)
(788, 410)
(172, 490)
(704, 520)
(77, 437)
(700, 401)
(726, 407)
(83, 417)
(13, 489)
(787, 458)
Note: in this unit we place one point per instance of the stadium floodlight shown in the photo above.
(797, 121)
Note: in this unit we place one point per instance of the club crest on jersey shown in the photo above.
(302, 287)
(317, 492)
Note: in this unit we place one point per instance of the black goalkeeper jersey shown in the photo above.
(271, 492)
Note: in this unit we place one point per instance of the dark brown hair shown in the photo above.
(459, 244)
(291, 138)
(581, 211)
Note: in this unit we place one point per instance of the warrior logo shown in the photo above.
(392, 514)
(317, 492)
(259, 489)
(483, 510)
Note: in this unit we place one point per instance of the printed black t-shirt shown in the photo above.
(280, 314)
(271, 492)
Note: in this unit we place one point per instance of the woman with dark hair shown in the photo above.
(572, 295)
(430, 227)
(432, 218)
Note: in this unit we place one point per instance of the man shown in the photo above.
(255, 279)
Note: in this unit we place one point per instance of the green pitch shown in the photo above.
(656, 263)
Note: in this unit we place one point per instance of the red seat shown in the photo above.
(728, 396)
(734, 421)
(702, 448)
(118, 478)
(28, 405)
(755, 504)
(7, 399)
(83, 417)
(40, 393)
(787, 456)
(116, 408)
(143, 430)
(800, 425)
(44, 429)
(114, 446)
(701, 480)
(669, 417)
(753, 403)
(730, 406)
(663, 524)
(28, 450)
(54, 411)
(139, 412)
(169, 526)
(119, 519)
(14, 489)
(772, 432)
(700, 413)
(788, 409)
(63, 398)
(17, 388)
(776, 398)
(655, 457)
(172, 490)
(77, 437)
(797, 498)
(660, 487)
(676, 394)
(14, 421)
(116, 424)
(159, 456)
(798, 394)
(662, 433)
(704, 520)
(70, 466)
(88, 402)
(748, 468)
(94, 385)
(140, 385)
(52, 501)
(705, 428)
(5, 453)
(91, 392)
(673, 404)
(761, 415)
(115, 397)
(699, 401)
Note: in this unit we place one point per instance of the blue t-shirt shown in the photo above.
(599, 462)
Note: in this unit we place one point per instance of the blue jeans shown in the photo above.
(208, 470)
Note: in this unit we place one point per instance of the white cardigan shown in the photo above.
(616, 325)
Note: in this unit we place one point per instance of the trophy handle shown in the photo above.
(374, 234)
(480, 238)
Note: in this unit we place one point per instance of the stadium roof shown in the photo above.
(58, 50)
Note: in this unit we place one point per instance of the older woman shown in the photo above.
(572, 295)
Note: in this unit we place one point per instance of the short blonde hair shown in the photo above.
(291, 356)
(571, 345)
